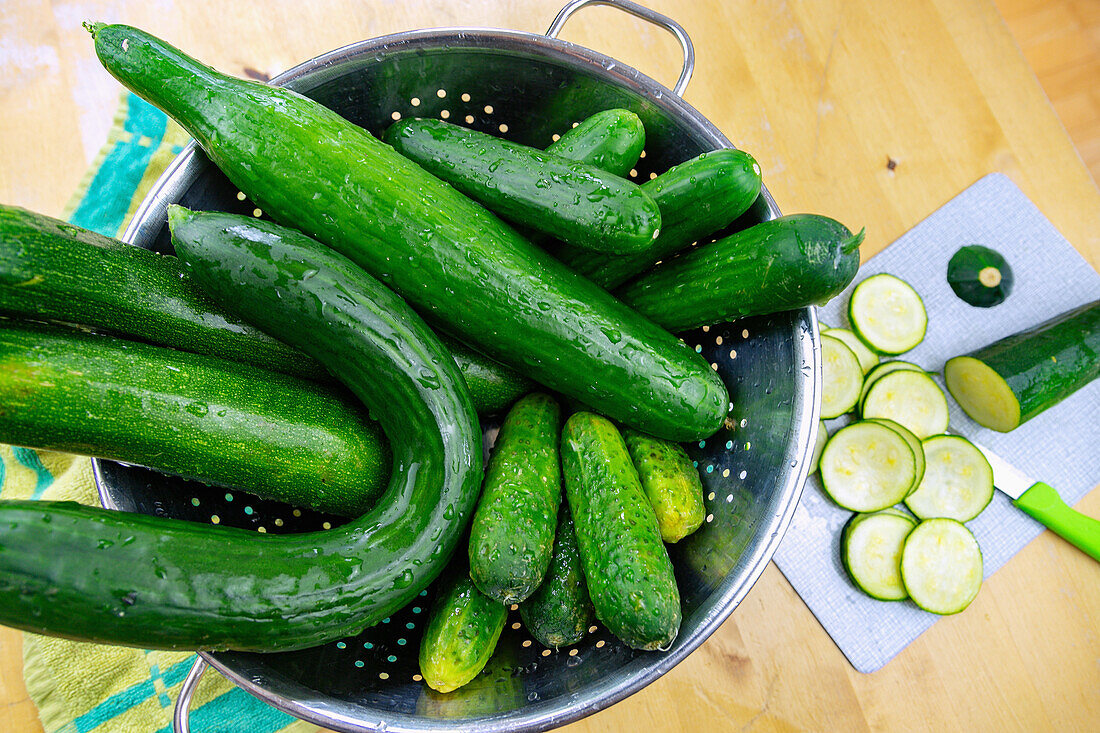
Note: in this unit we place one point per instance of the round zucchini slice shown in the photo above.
(841, 378)
(887, 314)
(911, 399)
(866, 467)
(868, 359)
(871, 548)
(957, 483)
(941, 566)
(980, 276)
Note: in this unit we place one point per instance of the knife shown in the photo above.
(1042, 503)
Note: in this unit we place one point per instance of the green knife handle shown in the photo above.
(1042, 502)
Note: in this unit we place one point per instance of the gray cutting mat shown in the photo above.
(1060, 446)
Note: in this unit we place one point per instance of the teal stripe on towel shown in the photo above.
(118, 178)
(120, 702)
(236, 712)
(30, 459)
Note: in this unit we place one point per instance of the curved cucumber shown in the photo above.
(575, 202)
(559, 612)
(461, 634)
(697, 198)
(610, 140)
(54, 271)
(1012, 380)
(512, 532)
(449, 257)
(979, 275)
(629, 574)
(671, 483)
(120, 578)
(786, 263)
(191, 415)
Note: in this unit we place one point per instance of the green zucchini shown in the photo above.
(191, 415)
(626, 566)
(610, 140)
(887, 314)
(786, 263)
(870, 548)
(670, 481)
(512, 532)
(696, 198)
(979, 275)
(1010, 381)
(120, 578)
(941, 566)
(573, 201)
(560, 612)
(452, 260)
(54, 271)
(461, 634)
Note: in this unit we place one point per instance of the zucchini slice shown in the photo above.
(1012, 380)
(819, 445)
(980, 276)
(910, 398)
(941, 566)
(958, 481)
(841, 378)
(881, 371)
(871, 548)
(866, 467)
(914, 444)
(887, 314)
(868, 359)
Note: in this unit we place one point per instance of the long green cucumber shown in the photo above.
(786, 263)
(157, 583)
(54, 271)
(512, 532)
(697, 197)
(573, 201)
(461, 634)
(626, 566)
(671, 483)
(1012, 380)
(192, 415)
(610, 140)
(457, 264)
(560, 612)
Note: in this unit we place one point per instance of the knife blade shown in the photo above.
(1042, 503)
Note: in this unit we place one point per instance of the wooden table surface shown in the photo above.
(824, 93)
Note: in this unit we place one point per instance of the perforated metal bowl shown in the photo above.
(528, 88)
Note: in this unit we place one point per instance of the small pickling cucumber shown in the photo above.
(871, 547)
(980, 276)
(841, 378)
(941, 566)
(866, 467)
(957, 483)
(576, 202)
(697, 198)
(910, 398)
(786, 263)
(629, 574)
(887, 314)
(559, 612)
(868, 359)
(1010, 381)
(670, 481)
(512, 534)
(611, 140)
(461, 634)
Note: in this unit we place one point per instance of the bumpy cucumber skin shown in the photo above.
(610, 140)
(192, 415)
(786, 263)
(671, 483)
(1046, 364)
(461, 634)
(697, 197)
(53, 271)
(454, 262)
(157, 583)
(573, 201)
(512, 533)
(628, 571)
(560, 612)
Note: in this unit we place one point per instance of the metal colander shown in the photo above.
(529, 88)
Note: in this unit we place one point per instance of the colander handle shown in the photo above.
(637, 11)
(180, 716)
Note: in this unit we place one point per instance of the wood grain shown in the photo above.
(824, 93)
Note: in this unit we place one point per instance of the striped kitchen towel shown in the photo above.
(86, 688)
